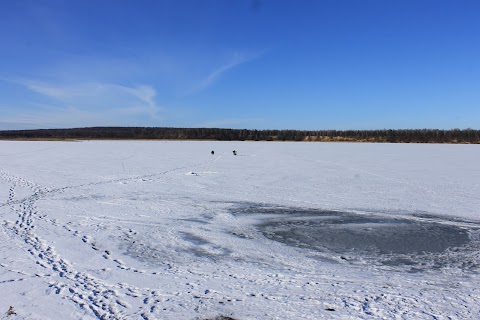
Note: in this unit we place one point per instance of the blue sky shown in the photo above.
(259, 64)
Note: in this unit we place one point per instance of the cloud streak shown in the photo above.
(98, 95)
(87, 104)
(217, 73)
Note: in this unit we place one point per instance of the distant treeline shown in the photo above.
(403, 136)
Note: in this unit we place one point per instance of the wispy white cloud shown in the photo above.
(236, 60)
(87, 104)
(99, 96)
(65, 96)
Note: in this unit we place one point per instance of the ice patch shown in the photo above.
(389, 240)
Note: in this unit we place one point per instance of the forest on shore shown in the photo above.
(158, 133)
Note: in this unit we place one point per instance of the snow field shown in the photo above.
(160, 230)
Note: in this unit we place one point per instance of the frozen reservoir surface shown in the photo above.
(166, 230)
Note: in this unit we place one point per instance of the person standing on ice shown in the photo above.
(234, 152)
(213, 152)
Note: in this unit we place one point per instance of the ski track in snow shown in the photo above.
(103, 299)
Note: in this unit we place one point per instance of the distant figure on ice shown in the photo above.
(234, 152)
(213, 152)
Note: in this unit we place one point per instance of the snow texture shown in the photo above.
(166, 230)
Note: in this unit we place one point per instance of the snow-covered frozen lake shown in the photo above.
(166, 230)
